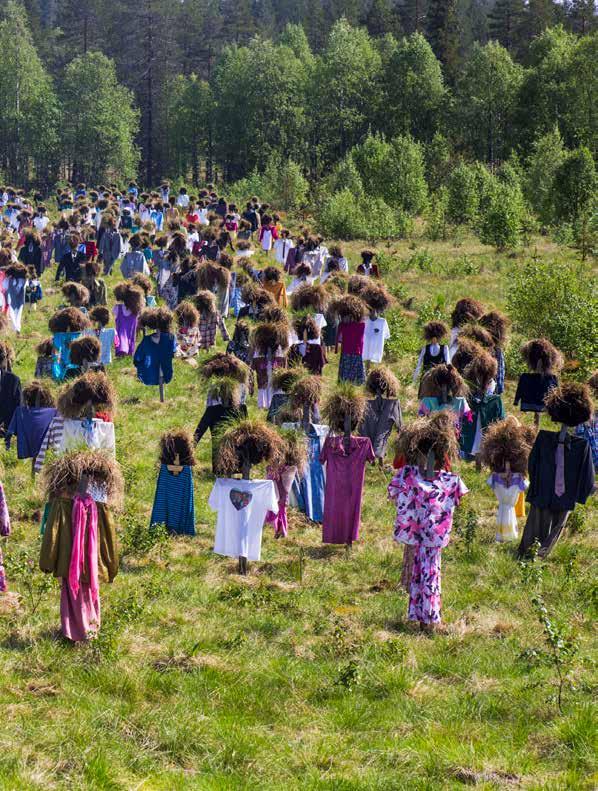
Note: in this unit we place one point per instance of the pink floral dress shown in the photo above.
(424, 521)
(4, 531)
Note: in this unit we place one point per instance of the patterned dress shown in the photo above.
(424, 521)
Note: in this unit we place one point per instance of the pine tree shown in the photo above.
(442, 28)
(382, 18)
(505, 23)
(413, 14)
(540, 15)
(582, 16)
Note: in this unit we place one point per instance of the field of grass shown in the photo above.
(305, 674)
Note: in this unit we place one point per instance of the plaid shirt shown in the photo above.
(207, 330)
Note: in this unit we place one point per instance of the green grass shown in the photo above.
(201, 679)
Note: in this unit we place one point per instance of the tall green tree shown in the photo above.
(442, 29)
(506, 23)
(343, 92)
(543, 100)
(259, 93)
(546, 158)
(581, 90)
(29, 115)
(99, 121)
(382, 17)
(188, 121)
(575, 184)
(414, 88)
(582, 16)
(414, 14)
(486, 95)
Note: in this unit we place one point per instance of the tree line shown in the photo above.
(203, 89)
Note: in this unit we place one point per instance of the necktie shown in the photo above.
(559, 480)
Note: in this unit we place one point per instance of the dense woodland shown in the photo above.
(212, 89)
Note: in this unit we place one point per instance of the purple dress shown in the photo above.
(126, 330)
(344, 487)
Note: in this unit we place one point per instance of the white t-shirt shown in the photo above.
(376, 335)
(40, 222)
(242, 507)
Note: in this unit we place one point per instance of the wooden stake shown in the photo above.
(246, 473)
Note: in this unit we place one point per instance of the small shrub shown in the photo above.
(557, 300)
(23, 570)
(432, 309)
(466, 524)
(139, 540)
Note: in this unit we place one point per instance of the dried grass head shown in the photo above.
(37, 395)
(541, 356)
(309, 297)
(345, 400)
(272, 274)
(143, 281)
(86, 349)
(205, 302)
(435, 433)
(477, 334)
(69, 320)
(593, 384)
(45, 348)
(62, 476)
(507, 442)
(337, 283)
(376, 297)
(571, 404)
(156, 319)
(7, 356)
(274, 314)
(131, 296)
(465, 311)
(76, 294)
(467, 351)
(226, 390)
(284, 378)
(294, 449)
(17, 270)
(435, 330)
(481, 371)
(270, 337)
(306, 392)
(225, 365)
(306, 327)
(248, 441)
(440, 377)
(357, 284)
(382, 382)
(497, 325)
(91, 389)
(349, 308)
(186, 315)
(100, 315)
(177, 443)
(211, 276)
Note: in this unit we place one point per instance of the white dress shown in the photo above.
(507, 496)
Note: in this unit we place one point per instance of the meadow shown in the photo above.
(305, 674)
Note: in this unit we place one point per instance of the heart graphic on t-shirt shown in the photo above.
(240, 499)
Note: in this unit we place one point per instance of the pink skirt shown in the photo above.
(79, 616)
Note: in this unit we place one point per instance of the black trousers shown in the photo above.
(545, 526)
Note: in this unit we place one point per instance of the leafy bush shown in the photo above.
(463, 195)
(502, 220)
(343, 216)
(557, 300)
(282, 184)
(393, 170)
(432, 309)
(437, 216)
(138, 539)
(422, 260)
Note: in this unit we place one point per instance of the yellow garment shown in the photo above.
(57, 542)
(278, 291)
(520, 505)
